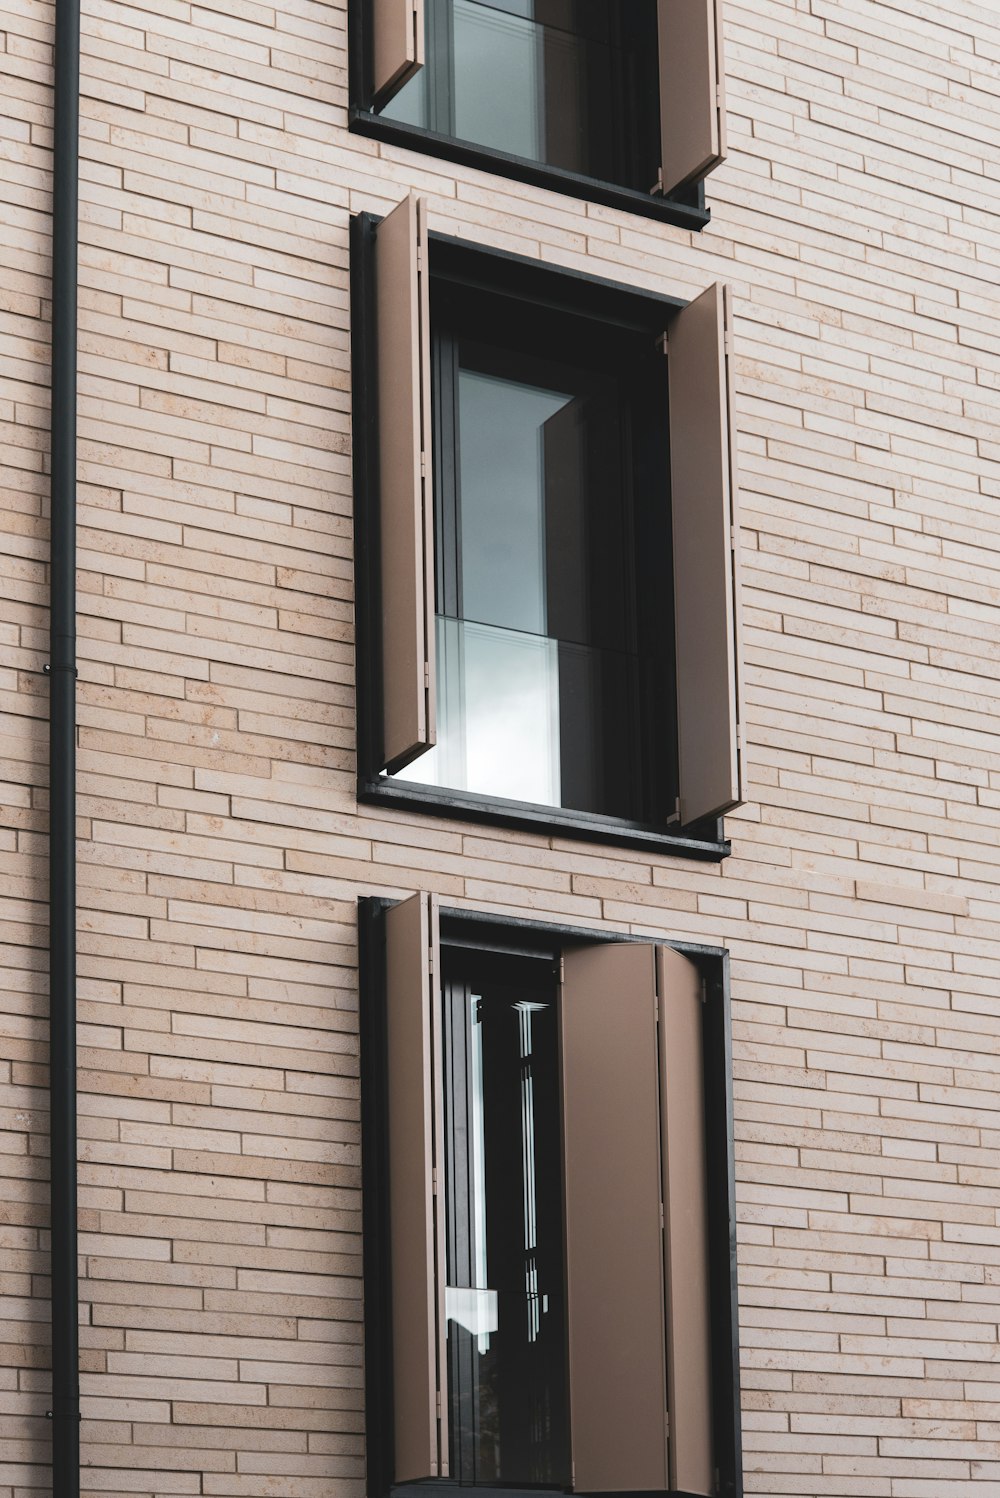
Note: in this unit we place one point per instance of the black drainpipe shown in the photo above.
(65, 1411)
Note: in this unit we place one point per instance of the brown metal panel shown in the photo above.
(614, 1241)
(398, 44)
(692, 89)
(689, 1372)
(730, 442)
(405, 492)
(415, 1208)
(706, 575)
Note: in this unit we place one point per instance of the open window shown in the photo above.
(550, 569)
(588, 92)
(547, 1137)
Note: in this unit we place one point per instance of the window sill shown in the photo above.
(428, 143)
(439, 1487)
(551, 820)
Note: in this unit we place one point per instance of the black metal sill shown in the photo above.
(441, 1486)
(552, 820)
(692, 216)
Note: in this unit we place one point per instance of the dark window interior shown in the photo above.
(571, 84)
(553, 595)
(505, 1295)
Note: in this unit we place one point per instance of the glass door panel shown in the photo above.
(505, 1293)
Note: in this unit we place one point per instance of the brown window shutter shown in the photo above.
(406, 518)
(398, 28)
(692, 89)
(416, 1209)
(706, 563)
(692, 1465)
(614, 1248)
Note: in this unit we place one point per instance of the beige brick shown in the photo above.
(221, 847)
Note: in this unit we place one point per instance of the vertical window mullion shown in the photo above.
(448, 523)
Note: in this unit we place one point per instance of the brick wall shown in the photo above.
(222, 851)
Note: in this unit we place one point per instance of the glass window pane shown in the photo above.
(497, 60)
(503, 1191)
(553, 637)
(498, 714)
(502, 485)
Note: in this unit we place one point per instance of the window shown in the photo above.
(551, 562)
(553, 630)
(549, 1250)
(568, 83)
(505, 1293)
(579, 94)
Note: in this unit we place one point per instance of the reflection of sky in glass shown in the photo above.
(502, 480)
(498, 714)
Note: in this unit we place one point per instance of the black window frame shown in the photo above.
(546, 287)
(484, 932)
(685, 208)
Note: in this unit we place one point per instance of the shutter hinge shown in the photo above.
(562, 968)
(675, 815)
(427, 676)
(434, 1192)
(663, 1220)
(733, 540)
(662, 343)
(423, 465)
(720, 97)
(658, 184)
(440, 1406)
(739, 736)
